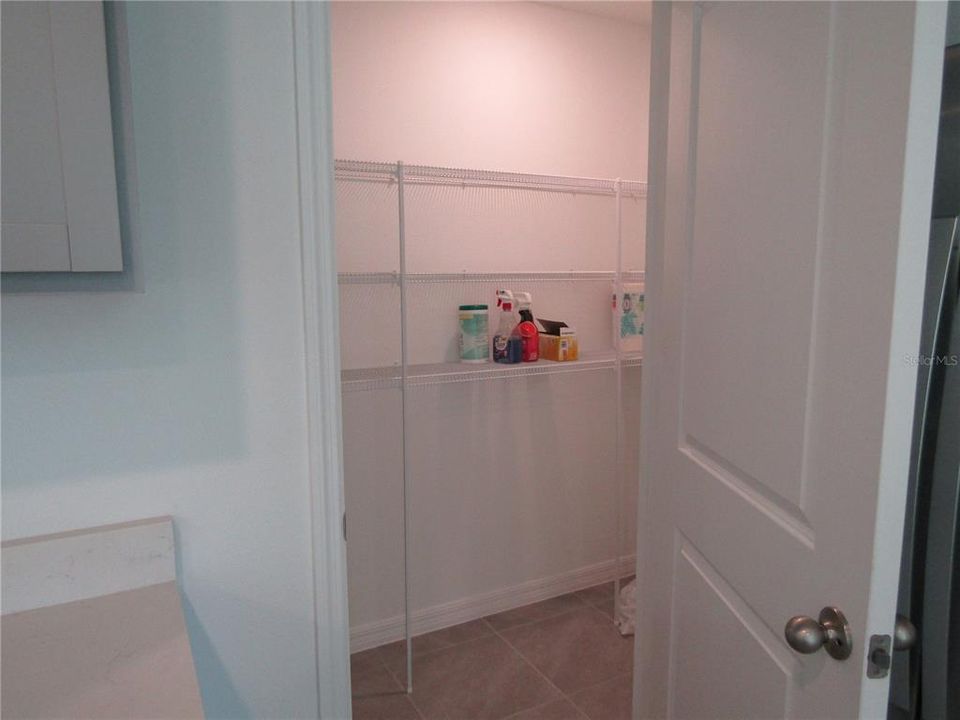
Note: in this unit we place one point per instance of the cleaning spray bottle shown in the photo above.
(507, 345)
(527, 329)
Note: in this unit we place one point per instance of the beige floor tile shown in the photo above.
(394, 655)
(483, 679)
(376, 693)
(597, 593)
(372, 681)
(556, 710)
(365, 660)
(385, 707)
(601, 596)
(605, 606)
(536, 611)
(575, 650)
(610, 700)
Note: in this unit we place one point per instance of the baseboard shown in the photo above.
(381, 632)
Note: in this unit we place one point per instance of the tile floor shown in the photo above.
(560, 659)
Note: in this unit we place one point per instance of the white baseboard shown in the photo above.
(381, 632)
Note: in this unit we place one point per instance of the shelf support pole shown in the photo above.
(619, 453)
(401, 234)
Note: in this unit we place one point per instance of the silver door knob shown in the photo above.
(904, 634)
(832, 632)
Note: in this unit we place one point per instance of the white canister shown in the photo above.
(474, 340)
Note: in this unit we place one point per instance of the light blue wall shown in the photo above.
(953, 22)
(188, 399)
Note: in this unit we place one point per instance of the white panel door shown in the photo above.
(792, 155)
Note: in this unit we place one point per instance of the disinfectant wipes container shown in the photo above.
(474, 339)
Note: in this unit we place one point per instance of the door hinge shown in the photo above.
(344, 527)
(878, 657)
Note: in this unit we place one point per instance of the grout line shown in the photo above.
(585, 603)
(400, 689)
(567, 696)
(603, 612)
(403, 689)
(401, 685)
(600, 607)
(413, 704)
(434, 652)
(399, 678)
(598, 684)
(372, 652)
(409, 697)
(536, 670)
(597, 605)
(485, 619)
(576, 707)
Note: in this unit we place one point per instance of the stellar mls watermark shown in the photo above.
(931, 360)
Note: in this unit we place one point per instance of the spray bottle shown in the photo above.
(506, 344)
(527, 330)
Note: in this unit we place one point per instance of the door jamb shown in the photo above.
(311, 42)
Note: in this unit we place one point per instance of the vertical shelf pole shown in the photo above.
(619, 453)
(403, 424)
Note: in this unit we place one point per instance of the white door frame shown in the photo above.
(321, 317)
(322, 339)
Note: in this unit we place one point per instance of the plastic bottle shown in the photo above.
(506, 345)
(527, 329)
(628, 317)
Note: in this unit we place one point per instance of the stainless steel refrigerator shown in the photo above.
(925, 681)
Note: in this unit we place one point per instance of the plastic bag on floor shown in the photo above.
(627, 615)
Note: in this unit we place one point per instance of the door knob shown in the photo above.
(904, 634)
(832, 631)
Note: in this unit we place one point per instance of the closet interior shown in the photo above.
(490, 506)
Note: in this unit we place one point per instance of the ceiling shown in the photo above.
(632, 11)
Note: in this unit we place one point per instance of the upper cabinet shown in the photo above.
(59, 187)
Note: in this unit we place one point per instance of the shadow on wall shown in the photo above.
(114, 383)
(228, 703)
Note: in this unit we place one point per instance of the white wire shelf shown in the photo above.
(447, 373)
(393, 278)
(363, 170)
(369, 278)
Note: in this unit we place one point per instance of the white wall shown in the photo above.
(189, 398)
(506, 86)
(512, 487)
(511, 481)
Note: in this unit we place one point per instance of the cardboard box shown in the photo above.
(558, 341)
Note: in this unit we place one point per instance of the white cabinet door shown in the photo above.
(59, 184)
(791, 179)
